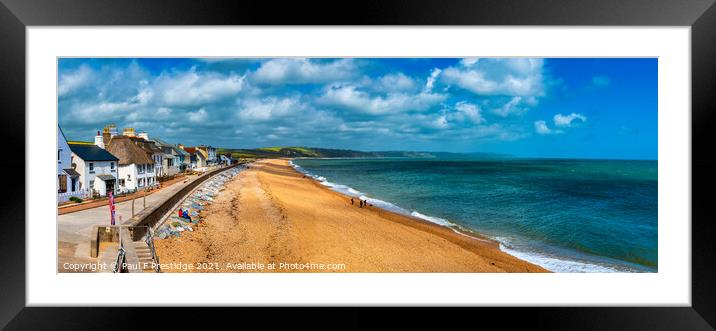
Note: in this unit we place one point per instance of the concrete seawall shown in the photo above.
(151, 215)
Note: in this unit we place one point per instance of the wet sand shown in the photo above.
(271, 215)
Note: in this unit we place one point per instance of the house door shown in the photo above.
(63, 183)
(110, 185)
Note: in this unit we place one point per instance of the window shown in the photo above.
(91, 167)
(140, 168)
(121, 182)
(92, 183)
(111, 166)
(59, 152)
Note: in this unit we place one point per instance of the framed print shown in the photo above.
(454, 154)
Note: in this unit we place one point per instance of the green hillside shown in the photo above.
(279, 151)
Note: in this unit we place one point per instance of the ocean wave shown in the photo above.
(551, 263)
(385, 205)
(557, 263)
(433, 219)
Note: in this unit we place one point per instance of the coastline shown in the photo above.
(551, 257)
(272, 213)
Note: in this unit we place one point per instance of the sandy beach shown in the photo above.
(270, 218)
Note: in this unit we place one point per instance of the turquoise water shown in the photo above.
(566, 215)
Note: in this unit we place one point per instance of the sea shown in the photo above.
(564, 215)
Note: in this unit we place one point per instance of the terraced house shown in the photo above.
(152, 150)
(210, 153)
(198, 157)
(96, 168)
(136, 167)
(168, 158)
(184, 157)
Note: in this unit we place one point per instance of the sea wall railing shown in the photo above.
(150, 242)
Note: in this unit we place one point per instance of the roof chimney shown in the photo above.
(99, 140)
(129, 132)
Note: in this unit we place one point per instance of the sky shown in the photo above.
(528, 107)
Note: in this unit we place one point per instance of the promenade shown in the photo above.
(74, 230)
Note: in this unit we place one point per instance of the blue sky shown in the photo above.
(554, 107)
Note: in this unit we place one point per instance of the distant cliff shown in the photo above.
(276, 152)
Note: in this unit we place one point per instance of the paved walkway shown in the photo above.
(74, 230)
(72, 207)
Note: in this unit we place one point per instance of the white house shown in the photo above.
(97, 168)
(223, 159)
(170, 159)
(152, 150)
(197, 158)
(67, 177)
(210, 154)
(136, 167)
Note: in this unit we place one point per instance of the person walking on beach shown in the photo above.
(361, 203)
(351, 201)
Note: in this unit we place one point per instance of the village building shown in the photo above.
(67, 177)
(197, 158)
(96, 168)
(136, 167)
(186, 156)
(152, 150)
(171, 160)
(225, 159)
(182, 158)
(210, 153)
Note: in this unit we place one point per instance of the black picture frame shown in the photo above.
(700, 15)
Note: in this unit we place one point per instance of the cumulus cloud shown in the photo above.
(560, 121)
(397, 83)
(350, 97)
(440, 122)
(466, 111)
(74, 80)
(542, 128)
(431, 79)
(498, 77)
(163, 112)
(567, 120)
(313, 102)
(514, 106)
(268, 109)
(192, 88)
(197, 116)
(303, 71)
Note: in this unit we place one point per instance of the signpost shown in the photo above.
(111, 207)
